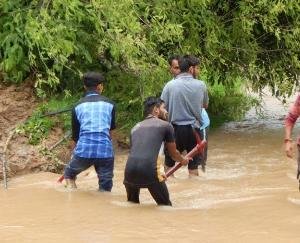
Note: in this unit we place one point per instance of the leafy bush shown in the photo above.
(36, 128)
(39, 125)
(54, 41)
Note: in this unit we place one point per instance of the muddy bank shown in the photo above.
(16, 105)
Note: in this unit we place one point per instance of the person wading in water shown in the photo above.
(290, 121)
(185, 96)
(142, 168)
(93, 118)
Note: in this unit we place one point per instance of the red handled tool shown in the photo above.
(60, 179)
(198, 149)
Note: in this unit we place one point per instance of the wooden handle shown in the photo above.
(60, 179)
(198, 149)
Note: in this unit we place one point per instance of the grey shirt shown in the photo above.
(184, 97)
(146, 137)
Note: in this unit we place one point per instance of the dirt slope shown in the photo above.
(16, 105)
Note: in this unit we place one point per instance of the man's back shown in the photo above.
(146, 139)
(93, 118)
(184, 97)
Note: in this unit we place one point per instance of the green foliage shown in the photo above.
(229, 102)
(38, 126)
(59, 103)
(241, 44)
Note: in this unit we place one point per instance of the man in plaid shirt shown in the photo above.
(93, 118)
(290, 121)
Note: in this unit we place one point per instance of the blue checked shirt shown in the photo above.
(92, 119)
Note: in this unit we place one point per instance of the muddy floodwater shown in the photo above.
(249, 193)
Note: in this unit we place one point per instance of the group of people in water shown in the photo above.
(173, 121)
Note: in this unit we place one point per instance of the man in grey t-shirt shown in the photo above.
(184, 97)
(142, 168)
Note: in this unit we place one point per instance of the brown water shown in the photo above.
(248, 194)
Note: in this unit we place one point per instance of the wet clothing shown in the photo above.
(186, 140)
(92, 119)
(142, 168)
(184, 97)
(158, 191)
(104, 168)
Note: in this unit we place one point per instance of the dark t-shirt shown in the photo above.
(146, 138)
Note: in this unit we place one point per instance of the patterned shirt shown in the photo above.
(293, 114)
(92, 119)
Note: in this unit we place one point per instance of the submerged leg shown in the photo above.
(75, 166)
(133, 193)
(70, 184)
(160, 193)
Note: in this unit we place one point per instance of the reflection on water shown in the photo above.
(249, 193)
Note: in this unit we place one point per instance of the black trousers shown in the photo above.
(158, 191)
(186, 140)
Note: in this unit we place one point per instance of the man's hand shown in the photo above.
(289, 149)
(164, 177)
(186, 160)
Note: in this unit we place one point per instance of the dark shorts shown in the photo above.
(186, 140)
(158, 191)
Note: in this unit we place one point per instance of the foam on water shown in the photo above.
(294, 200)
(11, 226)
(209, 203)
(221, 174)
(124, 204)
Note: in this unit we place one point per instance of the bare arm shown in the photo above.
(72, 144)
(288, 141)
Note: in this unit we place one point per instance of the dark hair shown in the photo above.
(186, 62)
(194, 61)
(183, 64)
(92, 79)
(150, 103)
(171, 58)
